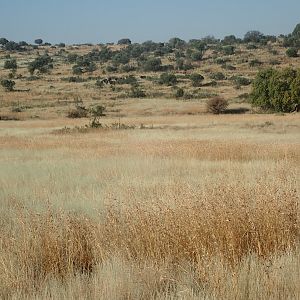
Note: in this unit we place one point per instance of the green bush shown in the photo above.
(10, 64)
(42, 63)
(292, 52)
(228, 50)
(168, 79)
(152, 65)
(179, 93)
(136, 92)
(196, 79)
(276, 90)
(217, 76)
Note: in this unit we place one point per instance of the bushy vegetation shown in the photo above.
(7, 84)
(43, 64)
(11, 64)
(277, 90)
(168, 79)
(216, 105)
(196, 79)
(292, 52)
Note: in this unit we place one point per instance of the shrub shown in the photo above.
(8, 84)
(42, 63)
(216, 105)
(196, 79)
(276, 90)
(78, 112)
(3, 41)
(152, 64)
(217, 76)
(136, 92)
(11, 64)
(179, 93)
(239, 80)
(255, 63)
(292, 52)
(197, 56)
(168, 79)
(228, 50)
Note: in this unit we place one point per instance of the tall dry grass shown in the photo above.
(149, 220)
(197, 242)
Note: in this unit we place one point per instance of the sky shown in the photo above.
(92, 21)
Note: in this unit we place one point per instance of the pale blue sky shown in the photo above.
(80, 21)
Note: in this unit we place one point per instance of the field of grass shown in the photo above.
(182, 207)
(164, 201)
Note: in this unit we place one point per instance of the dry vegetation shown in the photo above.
(181, 205)
(197, 207)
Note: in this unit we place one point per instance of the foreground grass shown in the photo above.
(210, 212)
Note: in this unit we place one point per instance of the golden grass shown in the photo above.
(196, 208)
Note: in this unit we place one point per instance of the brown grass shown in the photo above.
(196, 208)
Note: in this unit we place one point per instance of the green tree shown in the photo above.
(38, 41)
(276, 90)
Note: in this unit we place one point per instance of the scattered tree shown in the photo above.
(38, 41)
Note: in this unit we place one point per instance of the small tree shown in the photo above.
(8, 85)
(292, 52)
(38, 41)
(216, 105)
(196, 79)
(125, 41)
(96, 113)
(3, 41)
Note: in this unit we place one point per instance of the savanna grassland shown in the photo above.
(160, 200)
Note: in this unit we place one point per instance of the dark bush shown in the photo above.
(125, 41)
(255, 63)
(8, 84)
(179, 93)
(292, 52)
(152, 64)
(42, 63)
(10, 64)
(168, 79)
(217, 76)
(38, 41)
(196, 79)
(228, 50)
(136, 92)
